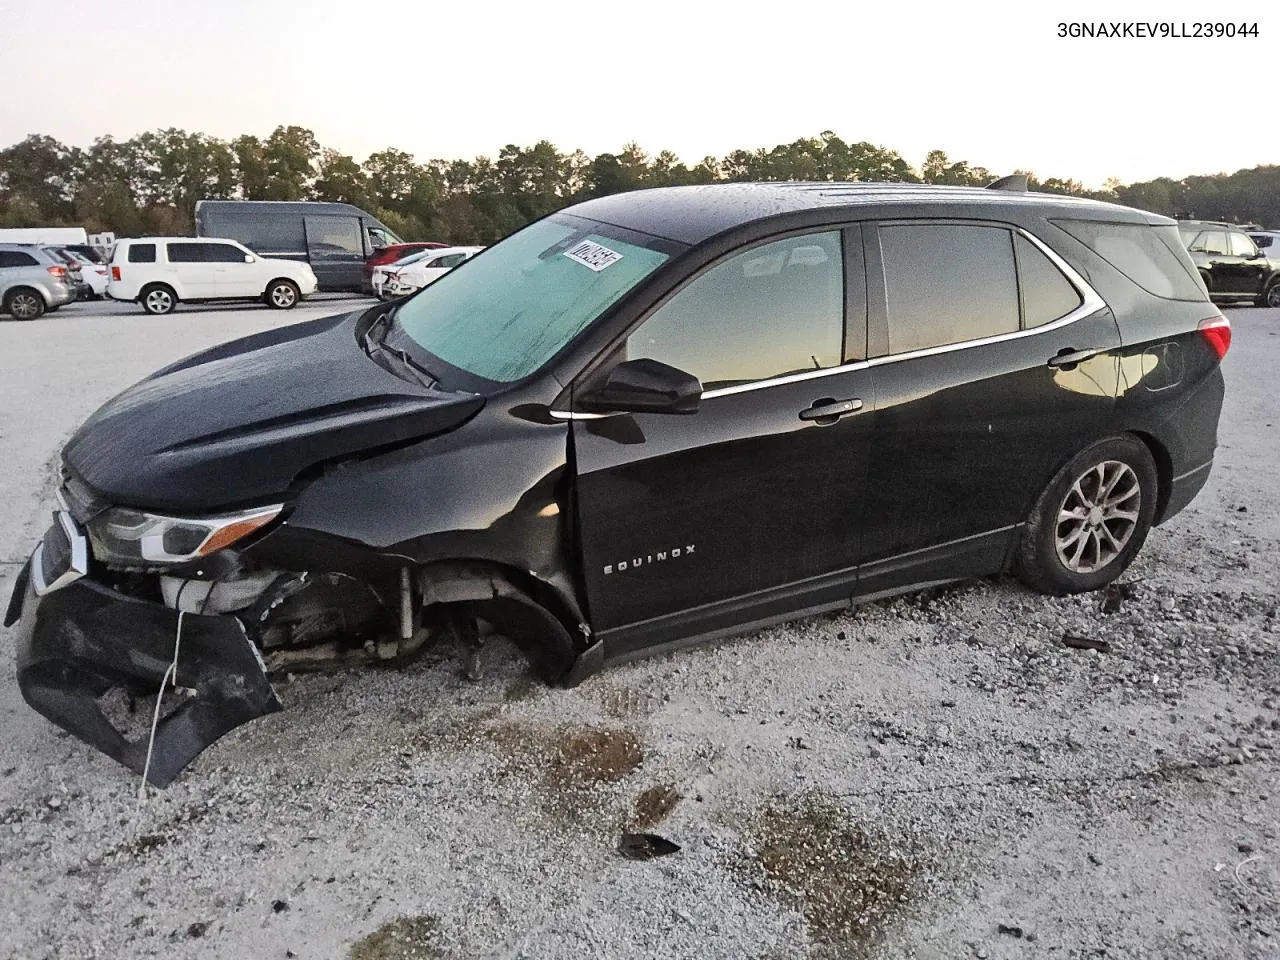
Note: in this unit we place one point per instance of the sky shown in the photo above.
(993, 84)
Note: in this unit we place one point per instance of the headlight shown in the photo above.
(130, 538)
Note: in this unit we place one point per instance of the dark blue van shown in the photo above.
(335, 238)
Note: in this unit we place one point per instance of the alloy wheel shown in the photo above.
(1273, 295)
(24, 306)
(159, 301)
(282, 295)
(1098, 516)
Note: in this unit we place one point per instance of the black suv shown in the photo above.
(1230, 263)
(649, 419)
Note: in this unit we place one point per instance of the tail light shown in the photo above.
(115, 273)
(58, 272)
(1217, 333)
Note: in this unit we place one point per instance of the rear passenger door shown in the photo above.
(995, 363)
(191, 270)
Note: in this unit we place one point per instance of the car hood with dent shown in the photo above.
(236, 424)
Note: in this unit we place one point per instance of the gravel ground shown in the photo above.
(932, 777)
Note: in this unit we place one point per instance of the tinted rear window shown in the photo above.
(947, 283)
(1150, 256)
(1047, 294)
(142, 253)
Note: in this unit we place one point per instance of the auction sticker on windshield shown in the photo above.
(595, 256)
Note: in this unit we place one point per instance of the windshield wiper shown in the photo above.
(375, 344)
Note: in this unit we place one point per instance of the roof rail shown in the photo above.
(1014, 183)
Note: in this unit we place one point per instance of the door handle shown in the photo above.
(1068, 358)
(829, 411)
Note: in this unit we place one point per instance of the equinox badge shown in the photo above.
(675, 553)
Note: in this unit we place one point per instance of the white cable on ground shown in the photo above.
(170, 674)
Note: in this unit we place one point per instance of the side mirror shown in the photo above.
(645, 386)
(249, 258)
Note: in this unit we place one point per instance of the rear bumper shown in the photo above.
(77, 642)
(1183, 490)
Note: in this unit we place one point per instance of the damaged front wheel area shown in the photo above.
(80, 642)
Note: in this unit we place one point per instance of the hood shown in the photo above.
(236, 424)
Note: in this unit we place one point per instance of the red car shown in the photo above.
(390, 254)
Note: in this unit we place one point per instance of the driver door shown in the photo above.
(749, 508)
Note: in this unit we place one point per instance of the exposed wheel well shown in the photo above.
(154, 284)
(22, 288)
(522, 607)
(271, 283)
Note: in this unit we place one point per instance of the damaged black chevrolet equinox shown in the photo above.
(649, 419)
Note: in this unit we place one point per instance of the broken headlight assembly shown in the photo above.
(126, 538)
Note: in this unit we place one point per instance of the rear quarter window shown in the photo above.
(142, 253)
(16, 258)
(1143, 253)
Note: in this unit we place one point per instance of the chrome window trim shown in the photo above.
(1090, 303)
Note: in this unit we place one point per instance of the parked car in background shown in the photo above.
(378, 278)
(32, 282)
(421, 271)
(336, 239)
(75, 272)
(161, 272)
(94, 273)
(395, 253)
(643, 421)
(88, 251)
(1230, 263)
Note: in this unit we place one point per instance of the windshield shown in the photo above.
(516, 305)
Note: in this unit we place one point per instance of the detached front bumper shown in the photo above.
(77, 642)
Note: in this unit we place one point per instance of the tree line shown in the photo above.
(149, 184)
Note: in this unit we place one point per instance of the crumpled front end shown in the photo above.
(77, 640)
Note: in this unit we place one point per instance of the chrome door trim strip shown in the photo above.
(1090, 303)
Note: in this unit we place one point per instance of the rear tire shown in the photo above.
(23, 303)
(1092, 519)
(282, 295)
(158, 299)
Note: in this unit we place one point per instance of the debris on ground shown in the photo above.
(645, 846)
(1085, 643)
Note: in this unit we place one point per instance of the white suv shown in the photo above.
(158, 272)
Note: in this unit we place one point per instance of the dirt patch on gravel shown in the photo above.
(568, 765)
(404, 938)
(850, 884)
(575, 757)
(655, 805)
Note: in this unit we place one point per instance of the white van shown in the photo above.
(50, 236)
(158, 272)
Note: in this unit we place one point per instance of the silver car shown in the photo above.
(32, 281)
